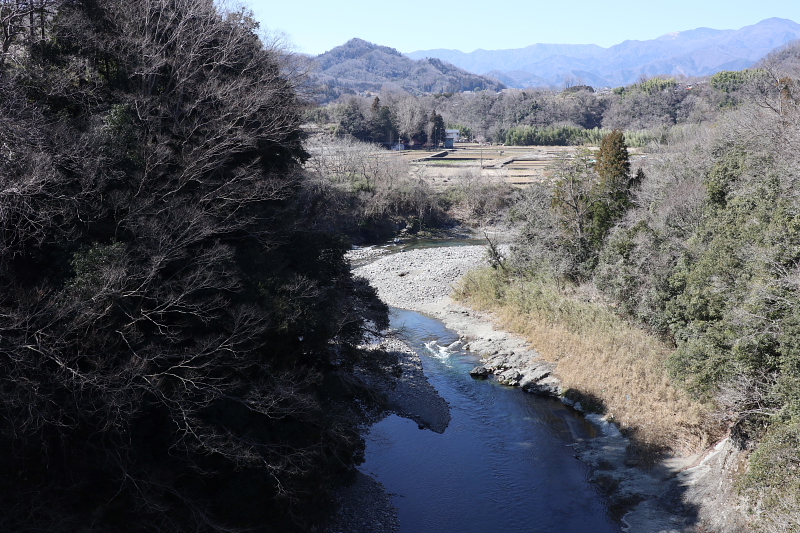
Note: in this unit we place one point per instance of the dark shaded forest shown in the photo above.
(176, 340)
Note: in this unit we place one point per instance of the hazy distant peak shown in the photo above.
(776, 20)
(361, 46)
(697, 52)
(695, 34)
(484, 61)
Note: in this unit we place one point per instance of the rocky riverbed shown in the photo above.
(422, 280)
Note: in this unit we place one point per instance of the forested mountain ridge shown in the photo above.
(698, 52)
(647, 111)
(359, 66)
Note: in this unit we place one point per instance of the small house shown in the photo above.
(451, 137)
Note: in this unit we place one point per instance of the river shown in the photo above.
(504, 464)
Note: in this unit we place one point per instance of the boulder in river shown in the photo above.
(534, 374)
(549, 386)
(509, 376)
(479, 372)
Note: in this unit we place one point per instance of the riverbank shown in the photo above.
(422, 280)
(365, 506)
(651, 500)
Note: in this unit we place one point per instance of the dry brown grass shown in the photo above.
(600, 355)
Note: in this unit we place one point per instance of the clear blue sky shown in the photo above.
(315, 26)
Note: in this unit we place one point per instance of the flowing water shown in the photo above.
(504, 463)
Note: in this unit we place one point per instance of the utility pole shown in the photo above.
(480, 169)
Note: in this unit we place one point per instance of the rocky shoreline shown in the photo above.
(648, 500)
(422, 280)
(412, 396)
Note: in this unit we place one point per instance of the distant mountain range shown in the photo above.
(698, 52)
(359, 66)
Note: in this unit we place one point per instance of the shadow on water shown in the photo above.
(667, 510)
(418, 244)
(505, 462)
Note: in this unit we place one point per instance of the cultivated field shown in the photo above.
(516, 165)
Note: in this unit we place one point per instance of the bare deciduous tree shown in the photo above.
(171, 339)
(23, 18)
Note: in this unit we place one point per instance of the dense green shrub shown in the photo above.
(611, 193)
(547, 136)
(772, 482)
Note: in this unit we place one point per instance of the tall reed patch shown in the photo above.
(601, 358)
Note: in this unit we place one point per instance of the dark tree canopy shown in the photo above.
(436, 129)
(173, 345)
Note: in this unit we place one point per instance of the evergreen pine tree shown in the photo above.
(611, 194)
(436, 128)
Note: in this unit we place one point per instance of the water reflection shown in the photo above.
(503, 464)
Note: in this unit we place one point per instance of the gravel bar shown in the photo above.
(420, 279)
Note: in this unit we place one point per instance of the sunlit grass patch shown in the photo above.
(599, 355)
